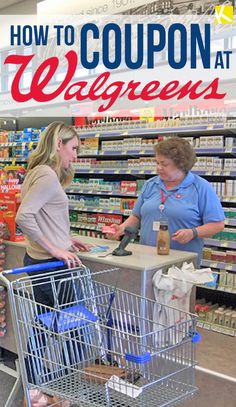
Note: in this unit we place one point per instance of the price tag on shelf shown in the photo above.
(226, 172)
(214, 265)
(30, 145)
(207, 326)
(127, 212)
(13, 161)
(224, 244)
(216, 328)
(125, 133)
(210, 127)
(229, 332)
(97, 135)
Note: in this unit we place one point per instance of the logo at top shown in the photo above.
(224, 14)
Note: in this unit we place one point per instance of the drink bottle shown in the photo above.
(163, 238)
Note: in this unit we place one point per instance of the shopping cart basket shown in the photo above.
(99, 345)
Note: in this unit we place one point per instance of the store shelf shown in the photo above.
(151, 152)
(228, 199)
(95, 192)
(11, 159)
(78, 225)
(215, 173)
(108, 153)
(75, 207)
(228, 290)
(205, 128)
(149, 172)
(17, 143)
(231, 222)
(115, 171)
(212, 150)
(218, 265)
(216, 328)
(220, 243)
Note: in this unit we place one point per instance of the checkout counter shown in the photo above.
(134, 272)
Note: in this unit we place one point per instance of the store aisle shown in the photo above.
(212, 392)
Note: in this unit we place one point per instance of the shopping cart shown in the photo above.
(99, 345)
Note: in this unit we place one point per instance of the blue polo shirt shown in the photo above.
(190, 204)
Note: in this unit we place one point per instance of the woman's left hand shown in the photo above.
(78, 245)
(183, 236)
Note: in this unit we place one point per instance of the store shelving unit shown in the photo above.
(227, 130)
(131, 163)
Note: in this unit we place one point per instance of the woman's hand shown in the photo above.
(71, 259)
(119, 231)
(78, 245)
(183, 236)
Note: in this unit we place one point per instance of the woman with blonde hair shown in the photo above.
(43, 214)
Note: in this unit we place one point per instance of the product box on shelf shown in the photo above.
(108, 219)
(128, 187)
(9, 203)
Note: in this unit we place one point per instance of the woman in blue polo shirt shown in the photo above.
(188, 201)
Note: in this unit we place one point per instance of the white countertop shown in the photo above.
(143, 257)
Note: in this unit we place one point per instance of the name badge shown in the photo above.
(156, 226)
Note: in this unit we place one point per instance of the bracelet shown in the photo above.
(195, 233)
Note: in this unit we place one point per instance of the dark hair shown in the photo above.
(179, 151)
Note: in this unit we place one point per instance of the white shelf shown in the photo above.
(204, 128)
(216, 328)
(220, 243)
(75, 207)
(230, 222)
(115, 171)
(85, 226)
(78, 190)
(219, 265)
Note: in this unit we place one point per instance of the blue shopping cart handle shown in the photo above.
(36, 267)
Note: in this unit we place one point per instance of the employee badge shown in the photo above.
(161, 207)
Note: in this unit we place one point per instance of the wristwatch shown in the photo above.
(195, 233)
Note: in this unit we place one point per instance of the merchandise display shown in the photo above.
(219, 318)
(116, 158)
(121, 261)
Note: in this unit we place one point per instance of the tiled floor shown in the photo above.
(215, 352)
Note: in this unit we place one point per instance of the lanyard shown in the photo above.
(163, 199)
